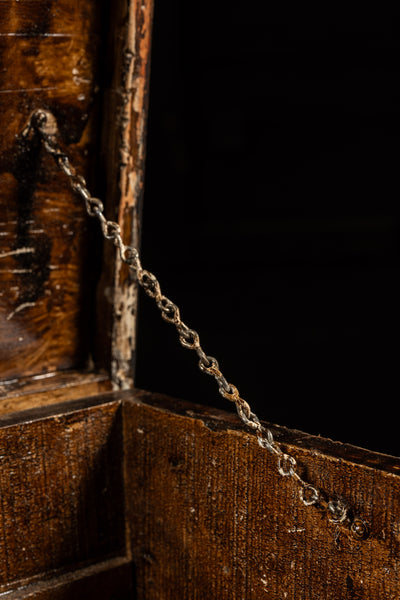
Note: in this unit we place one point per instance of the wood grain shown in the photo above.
(61, 490)
(190, 497)
(123, 154)
(59, 386)
(210, 516)
(77, 60)
(112, 579)
(49, 56)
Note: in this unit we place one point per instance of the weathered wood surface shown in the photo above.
(111, 580)
(40, 390)
(88, 64)
(61, 490)
(192, 499)
(210, 516)
(123, 154)
(49, 57)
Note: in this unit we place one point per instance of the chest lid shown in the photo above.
(67, 307)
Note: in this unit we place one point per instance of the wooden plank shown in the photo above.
(49, 57)
(123, 154)
(65, 57)
(61, 502)
(50, 388)
(211, 517)
(103, 581)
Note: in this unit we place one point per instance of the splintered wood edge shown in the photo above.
(123, 150)
(132, 119)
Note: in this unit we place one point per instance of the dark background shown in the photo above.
(271, 213)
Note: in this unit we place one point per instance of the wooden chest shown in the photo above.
(107, 491)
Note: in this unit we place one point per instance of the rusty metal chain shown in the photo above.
(337, 510)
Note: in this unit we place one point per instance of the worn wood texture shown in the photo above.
(61, 490)
(110, 580)
(58, 386)
(136, 490)
(88, 64)
(49, 57)
(211, 517)
(123, 154)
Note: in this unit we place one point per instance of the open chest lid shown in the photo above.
(67, 307)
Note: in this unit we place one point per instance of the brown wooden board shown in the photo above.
(123, 155)
(87, 63)
(211, 517)
(40, 390)
(61, 490)
(111, 580)
(49, 57)
(190, 497)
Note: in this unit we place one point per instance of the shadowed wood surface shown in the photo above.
(87, 64)
(31, 392)
(188, 497)
(123, 154)
(61, 489)
(212, 518)
(49, 56)
(111, 580)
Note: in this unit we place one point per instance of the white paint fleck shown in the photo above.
(78, 79)
(140, 431)
(44, 376)
(17, 252)
(19, 308)
(15, 271)
(296, 530)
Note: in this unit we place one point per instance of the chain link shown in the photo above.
(338, 511)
